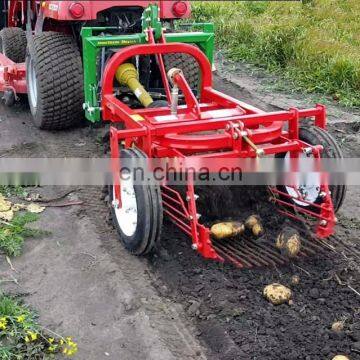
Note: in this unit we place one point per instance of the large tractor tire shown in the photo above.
(55, 81)
(187, 64)
(13, 44)
(139, 220)
(314, 135)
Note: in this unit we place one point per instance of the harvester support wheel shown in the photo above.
(314, 135)
(54, 76)
(13, 44)
(187, 64)
(139, 219)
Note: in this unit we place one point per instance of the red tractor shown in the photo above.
(42, 39)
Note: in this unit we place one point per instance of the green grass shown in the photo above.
(314, 44)
(22, 338)
(12, 235)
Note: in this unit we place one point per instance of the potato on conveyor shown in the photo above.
(227, 230)
(251, 221)
(288, 241)
(277, 294)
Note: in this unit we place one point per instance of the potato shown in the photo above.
(295, 280)
(277, 294)
(289, 242)
(258, 230)
(251, 221)
(340, 357)
(293, 246)
(227, 229)
(337, 326)
(280, 241)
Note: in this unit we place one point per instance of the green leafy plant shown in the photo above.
(22, 338)
(13, 234)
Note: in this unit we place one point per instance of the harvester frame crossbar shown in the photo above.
(240, 131)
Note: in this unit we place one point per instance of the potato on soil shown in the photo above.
(277, 294)
(295, 280)
(337, 326)
(227, 230)
(340, 357)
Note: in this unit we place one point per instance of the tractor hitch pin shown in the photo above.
(175, 90)
(259, 152)
(174, 100)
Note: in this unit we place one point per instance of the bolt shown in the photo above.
(196, 197)
(235, 136)
(188, 198)
(260, 152)
(227, 127)
(195, 247)
(308, 151)
(191, 218)
(322, 194)
(323, 223)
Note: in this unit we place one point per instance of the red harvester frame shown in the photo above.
(247, 132)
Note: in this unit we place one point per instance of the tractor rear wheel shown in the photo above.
(13, 44)
(54, 76)
(139, 220)
(187, 64)
(314, 135)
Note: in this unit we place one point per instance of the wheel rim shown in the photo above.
(32, 84)
(127, 215)
(308, 187)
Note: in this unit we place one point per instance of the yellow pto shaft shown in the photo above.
(127, 75)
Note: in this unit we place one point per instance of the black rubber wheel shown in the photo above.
(314, 135)
(143, 237)
(187, 64)
(54, 76)
(13, 44)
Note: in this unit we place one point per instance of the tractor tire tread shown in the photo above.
(60, 81)
(187, 64)
(14, 42)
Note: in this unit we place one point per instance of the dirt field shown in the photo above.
(175, 305)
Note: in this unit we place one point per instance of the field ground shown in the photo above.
(175, 305)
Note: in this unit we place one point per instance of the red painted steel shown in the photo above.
(60, 10)
(237, 130)
(12, 76)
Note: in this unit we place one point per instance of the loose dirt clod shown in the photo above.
(277, 294)
(337, 326)
(227, 229)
